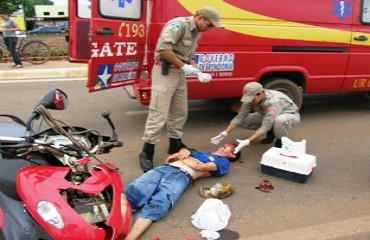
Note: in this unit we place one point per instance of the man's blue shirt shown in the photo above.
(223, 164)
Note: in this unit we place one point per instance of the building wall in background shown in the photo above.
(51, 11)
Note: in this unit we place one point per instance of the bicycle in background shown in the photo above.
(34, 51)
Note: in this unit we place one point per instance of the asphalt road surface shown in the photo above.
(333, 204)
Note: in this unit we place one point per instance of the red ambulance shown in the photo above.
(297, 47)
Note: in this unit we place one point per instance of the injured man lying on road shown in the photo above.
(156, 191)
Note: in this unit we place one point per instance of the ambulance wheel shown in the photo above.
(367, 95)
(287, 87)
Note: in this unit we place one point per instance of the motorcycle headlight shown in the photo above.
(49, 213)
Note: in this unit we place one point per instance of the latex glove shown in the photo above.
(189, 69)
(242, 143)
(216, 140)
(204, 77)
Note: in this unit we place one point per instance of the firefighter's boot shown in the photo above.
(175, 145)
(270, 137)
(278, 143)
(146, 157)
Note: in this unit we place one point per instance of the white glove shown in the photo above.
(204, 77)
(242, 143)
(216, 140)
(189, 69)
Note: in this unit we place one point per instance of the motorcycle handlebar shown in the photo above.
(18, 145)
(107, 143)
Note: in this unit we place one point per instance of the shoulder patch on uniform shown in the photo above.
(271, 110)
(174, 26)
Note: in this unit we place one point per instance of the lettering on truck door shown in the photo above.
(117, 43)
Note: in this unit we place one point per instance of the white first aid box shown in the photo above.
(278, 163)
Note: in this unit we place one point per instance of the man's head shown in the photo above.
(252, 92)
(206, 18)
(227, 151)
(3, 14)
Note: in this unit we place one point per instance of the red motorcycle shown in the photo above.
(49, 188)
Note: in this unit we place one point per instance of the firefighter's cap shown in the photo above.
(250, 91)
(212, 15)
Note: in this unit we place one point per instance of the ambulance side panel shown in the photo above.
(309, 43)
(358, 71)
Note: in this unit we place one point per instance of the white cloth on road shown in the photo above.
(213, 215)
(210, 235)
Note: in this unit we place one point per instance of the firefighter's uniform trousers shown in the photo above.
(168, 105)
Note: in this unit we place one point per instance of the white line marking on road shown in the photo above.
(43, 80)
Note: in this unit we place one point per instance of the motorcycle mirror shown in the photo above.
(55, 99)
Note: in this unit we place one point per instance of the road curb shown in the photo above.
(76, 72)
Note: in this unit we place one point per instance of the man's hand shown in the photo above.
(189, 69)
(216, 140)
(242, 143)
(183, 153)
(180, 155)
(172, 158)
(204, 77)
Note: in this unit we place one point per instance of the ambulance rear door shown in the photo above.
(78, 35)
(117, 33)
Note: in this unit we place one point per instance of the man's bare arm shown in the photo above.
(208, 167)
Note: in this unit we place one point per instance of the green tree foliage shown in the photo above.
(43, 2)
(11, 6)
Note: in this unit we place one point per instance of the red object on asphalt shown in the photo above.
(265, 186)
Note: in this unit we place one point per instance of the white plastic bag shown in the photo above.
(210, 235)
(212, 215)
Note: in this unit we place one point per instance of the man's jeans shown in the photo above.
(11, 44)
(156, 191)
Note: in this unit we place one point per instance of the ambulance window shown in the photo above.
(84, 8)
(123, 9)
(366, 11)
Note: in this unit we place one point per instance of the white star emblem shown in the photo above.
(105, 76)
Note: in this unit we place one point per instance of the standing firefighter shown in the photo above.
(274, 114)
(174, 58)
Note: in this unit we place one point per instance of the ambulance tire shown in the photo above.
(286, 86)
(367, 95)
